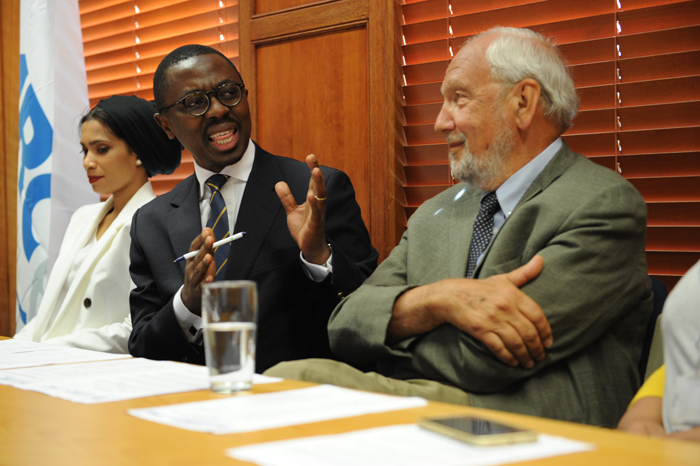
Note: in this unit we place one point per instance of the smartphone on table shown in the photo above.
(478, 431)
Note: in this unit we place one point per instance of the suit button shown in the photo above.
(87, 302)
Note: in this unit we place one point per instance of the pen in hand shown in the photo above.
(226, 240)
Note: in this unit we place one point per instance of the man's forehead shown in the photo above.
(458, 75)
(467, 66)
(200, 69)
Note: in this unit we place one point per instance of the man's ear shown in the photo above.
(162, 121)
(527, 98)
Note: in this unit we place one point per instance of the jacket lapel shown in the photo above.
(561, 162)
(143, 195)
(184, 222)
(461, 226)
(60, 271)
(259, 207)
(85, 235)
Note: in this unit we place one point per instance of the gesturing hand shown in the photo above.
(200, 269)
(306, 222)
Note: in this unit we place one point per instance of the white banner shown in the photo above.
(51, 180)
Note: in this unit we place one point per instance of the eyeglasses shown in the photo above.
(197, 103)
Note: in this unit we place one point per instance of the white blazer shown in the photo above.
(95, 313)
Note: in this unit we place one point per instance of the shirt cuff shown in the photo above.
(316, 272)
(190, 323)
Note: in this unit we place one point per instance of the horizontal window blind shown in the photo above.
(636, 65)
(124, 41)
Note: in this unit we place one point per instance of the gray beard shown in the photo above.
(482, 171)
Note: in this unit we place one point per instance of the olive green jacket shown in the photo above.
(589, 225)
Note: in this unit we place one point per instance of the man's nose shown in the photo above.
(444, 121)
(216, 108)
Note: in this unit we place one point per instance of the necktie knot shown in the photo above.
(483, 230)
(489, 204)
(215, 182)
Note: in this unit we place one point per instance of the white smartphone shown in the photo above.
(478, 431)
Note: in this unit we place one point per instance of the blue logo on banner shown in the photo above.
(22, 313)
(39, 188)
(34, 153)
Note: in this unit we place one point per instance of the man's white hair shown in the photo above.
(518, 54)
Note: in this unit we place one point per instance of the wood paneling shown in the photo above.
(326, 79)
(271, 6)
(9, 141)
(312, 20)
(324, 105)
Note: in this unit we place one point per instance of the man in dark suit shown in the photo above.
(525, 287)
(306, 245)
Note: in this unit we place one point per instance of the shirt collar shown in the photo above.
(510, 192)
(239, 170)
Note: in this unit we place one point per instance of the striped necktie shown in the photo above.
(218, 222)
(483, 230)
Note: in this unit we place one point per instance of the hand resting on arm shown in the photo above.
(492, 310)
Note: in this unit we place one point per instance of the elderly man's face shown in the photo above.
(474, 119)
(220, 136)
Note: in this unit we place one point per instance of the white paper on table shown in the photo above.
(22, 353)
(99, 382)
(400, 445)
(272, 410)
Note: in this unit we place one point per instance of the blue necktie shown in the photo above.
(483, 230)
(218, 222)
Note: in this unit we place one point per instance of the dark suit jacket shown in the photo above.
(293, 309)
(589, 225)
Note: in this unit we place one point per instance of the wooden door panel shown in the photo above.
(269, 6)
(318, 104)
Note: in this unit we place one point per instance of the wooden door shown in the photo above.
(324, 78)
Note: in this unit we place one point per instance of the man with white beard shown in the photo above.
(525, 287)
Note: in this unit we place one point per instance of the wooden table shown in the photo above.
(36, 429)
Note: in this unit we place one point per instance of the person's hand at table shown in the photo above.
(692, 435)
(644, 418)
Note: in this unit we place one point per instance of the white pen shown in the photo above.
(226, 240)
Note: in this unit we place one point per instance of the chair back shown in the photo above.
(653, 340)
(656, 351)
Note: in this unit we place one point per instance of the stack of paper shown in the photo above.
(99, 382)
(22, 353)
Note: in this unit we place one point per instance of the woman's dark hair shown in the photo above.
(100, 114)
(130, 118)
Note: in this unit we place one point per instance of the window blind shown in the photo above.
(636, 65)
(124, 41)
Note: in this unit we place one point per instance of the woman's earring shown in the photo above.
(139, 162)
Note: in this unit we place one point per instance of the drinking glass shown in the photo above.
(229, 315)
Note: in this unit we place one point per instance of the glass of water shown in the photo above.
(229, 315)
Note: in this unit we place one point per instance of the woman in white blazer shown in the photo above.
(86, 301)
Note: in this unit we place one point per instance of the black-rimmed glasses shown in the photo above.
(197, 103)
